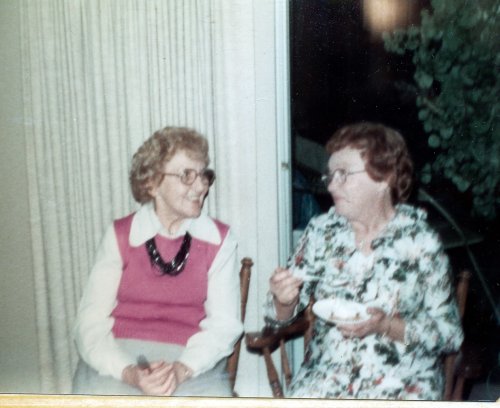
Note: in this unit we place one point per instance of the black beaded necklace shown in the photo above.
(177, 264)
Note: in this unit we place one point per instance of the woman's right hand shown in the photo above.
(158, 379)
(285, 289)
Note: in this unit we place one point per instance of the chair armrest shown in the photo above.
(270, 337)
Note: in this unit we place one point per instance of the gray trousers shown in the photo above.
(213, 383)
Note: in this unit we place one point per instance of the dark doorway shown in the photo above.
(341, 73)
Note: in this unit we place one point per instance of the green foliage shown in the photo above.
(455, 52)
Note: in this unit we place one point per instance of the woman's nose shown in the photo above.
(332, 185)
(199, 185)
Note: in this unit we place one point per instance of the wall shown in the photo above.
(18, 347)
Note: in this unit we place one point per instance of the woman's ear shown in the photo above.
(389, 181)
(152, 188)
(384, 186)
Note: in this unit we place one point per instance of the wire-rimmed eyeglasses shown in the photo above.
(339, 176)
(188, 176)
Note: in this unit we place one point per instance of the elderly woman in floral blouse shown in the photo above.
(373, 249)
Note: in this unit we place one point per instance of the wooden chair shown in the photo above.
(269, 339)
(466, 364)
(232, 362)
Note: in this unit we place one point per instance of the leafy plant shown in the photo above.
(455, 52)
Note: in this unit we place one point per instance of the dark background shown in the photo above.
(341, 73)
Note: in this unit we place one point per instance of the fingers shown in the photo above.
(280, 277)
(284, 286)
(376, 312)
(170, 384)
(159, 373)
(370, 326)
(157, 364)
(159, 380)
(353, 330)
(283, 277)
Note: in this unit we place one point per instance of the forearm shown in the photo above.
(435, 328)
(221, 327)
(93, 327)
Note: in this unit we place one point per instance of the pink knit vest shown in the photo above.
(161, 308)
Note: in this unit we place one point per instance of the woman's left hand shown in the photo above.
(375, 324)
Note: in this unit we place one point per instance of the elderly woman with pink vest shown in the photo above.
(160, 310)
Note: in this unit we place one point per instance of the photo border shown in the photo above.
(43, 400)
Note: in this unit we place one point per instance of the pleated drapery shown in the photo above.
(99, 76)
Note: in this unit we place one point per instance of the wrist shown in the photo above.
(128, 375)
(290, 304)
(182, 372)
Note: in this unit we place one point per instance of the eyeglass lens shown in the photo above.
(189, 176)
(339, 175)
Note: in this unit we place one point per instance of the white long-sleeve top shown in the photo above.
(220, 329)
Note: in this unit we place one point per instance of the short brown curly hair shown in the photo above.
(385, 154)
(148, 161)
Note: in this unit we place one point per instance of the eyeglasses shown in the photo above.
(188, 176)
(339, 176)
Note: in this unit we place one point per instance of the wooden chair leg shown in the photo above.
(272, 374)
(458, 390)
(285, 364)
(232, 364)
(449, 371)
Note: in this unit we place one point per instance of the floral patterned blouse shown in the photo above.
(407, 274)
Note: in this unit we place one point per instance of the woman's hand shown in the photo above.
(182, 372)
(285, 289)
(158, 379)
(377, 323)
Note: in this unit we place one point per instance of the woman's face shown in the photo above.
(174, 200)
(359, 194)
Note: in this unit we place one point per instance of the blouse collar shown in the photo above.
(146, 224)
(405, 216)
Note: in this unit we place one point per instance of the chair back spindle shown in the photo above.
(245, 274)
(453, 388)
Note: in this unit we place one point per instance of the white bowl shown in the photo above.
(340, 311)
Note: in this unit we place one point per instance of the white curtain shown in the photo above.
(99, 76)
